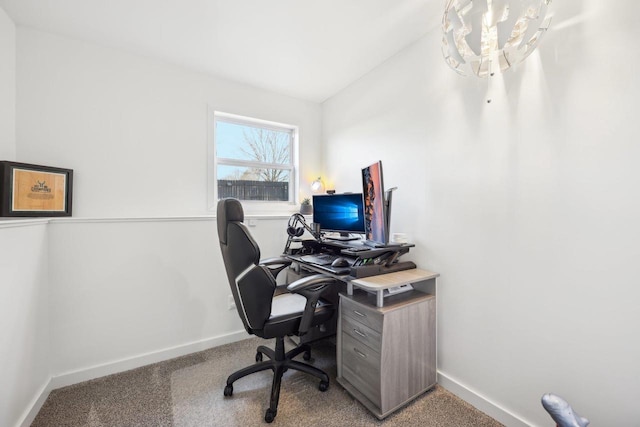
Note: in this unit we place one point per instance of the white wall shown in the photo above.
(135, 132)
(7, 87)
(122, 288)
(136, 276)
(134, 129)
(527, 207)
(24, 291)
(24, 316)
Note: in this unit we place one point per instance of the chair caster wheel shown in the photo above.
(258, 357)
(270, 415)
(324, 386)
(307, 355)
(228, 390)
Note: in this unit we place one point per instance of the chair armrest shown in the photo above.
(311, 287)
(275, 264)
(276, 260)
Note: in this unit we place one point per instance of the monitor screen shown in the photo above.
(343, 213)
(374, 204)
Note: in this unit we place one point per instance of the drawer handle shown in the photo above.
(361, 354)
(359, 314)
(362, 334)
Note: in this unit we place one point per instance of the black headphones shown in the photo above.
(295, 227)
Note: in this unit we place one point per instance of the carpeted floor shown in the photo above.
(187, 391)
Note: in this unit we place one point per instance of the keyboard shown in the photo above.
(320, 259)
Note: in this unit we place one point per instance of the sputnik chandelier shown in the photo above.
(484, 36)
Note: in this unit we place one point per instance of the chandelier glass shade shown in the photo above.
(483, 36)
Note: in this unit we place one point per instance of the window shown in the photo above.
(253, 160)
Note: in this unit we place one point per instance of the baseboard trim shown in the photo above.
(36, 404)
(86, 374)
(480, 402)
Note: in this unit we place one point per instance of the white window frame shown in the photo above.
(213, 161)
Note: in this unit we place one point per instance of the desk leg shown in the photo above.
(380, 298)
(349, 288)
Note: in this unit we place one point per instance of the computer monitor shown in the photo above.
(376, 206)
(342, 213)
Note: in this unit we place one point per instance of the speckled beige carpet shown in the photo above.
(187, 391)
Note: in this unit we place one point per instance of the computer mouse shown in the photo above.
(340, 262)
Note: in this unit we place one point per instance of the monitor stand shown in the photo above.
(342, 237)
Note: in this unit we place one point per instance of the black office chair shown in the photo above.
(265, 314)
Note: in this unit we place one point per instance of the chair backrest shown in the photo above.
(252, 285)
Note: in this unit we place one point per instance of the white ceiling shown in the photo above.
(308, 49)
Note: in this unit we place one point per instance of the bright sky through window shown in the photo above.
(254, 159)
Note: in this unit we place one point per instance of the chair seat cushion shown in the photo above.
(286, 313)
(287, 304)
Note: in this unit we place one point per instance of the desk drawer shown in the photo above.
(361, 367)
(362, 333)
(368, 316)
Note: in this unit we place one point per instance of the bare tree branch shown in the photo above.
(267, 146)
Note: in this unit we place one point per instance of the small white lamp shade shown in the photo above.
(317, 186)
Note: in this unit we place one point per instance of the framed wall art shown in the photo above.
(30, 190)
